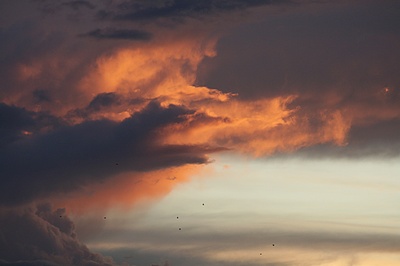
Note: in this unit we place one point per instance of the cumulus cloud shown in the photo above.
(38, 235)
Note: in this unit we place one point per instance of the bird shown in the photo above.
(177, 217)
(260, 254)
(273, 245)
(180, 228)
(105, 217)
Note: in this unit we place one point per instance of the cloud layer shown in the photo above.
(131, 91)
(69, 117)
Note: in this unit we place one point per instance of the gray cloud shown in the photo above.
(331, 245)
(376, 140)
(105, 103)
(38, 235)
(176, 9)
(16, 123)
(71, 157)
(333, 57)
(41, 95)
(77, 4)
(104, 100)
(119, 34)
(325, 48)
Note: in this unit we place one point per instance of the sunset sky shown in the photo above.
(200, 133)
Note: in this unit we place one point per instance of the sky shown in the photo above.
(215, 132)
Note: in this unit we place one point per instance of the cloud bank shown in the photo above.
(94, 92)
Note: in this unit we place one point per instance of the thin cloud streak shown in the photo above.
(226, 247)
(177, 10)
(119, 34)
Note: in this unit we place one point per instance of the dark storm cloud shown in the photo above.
(177, 9)
(16, 123)
(71, 157)
(41, 236)
(121, 34)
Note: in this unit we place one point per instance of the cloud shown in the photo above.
(41, 95)
(176, 9)
(205, 244)
(71, 157)
(377, 140)
(104, 100)
(38, 235)
(334, 70)
(119, 34)
(309, 51)
(17, 123)
(85, 122)
(137, 105)
(77, 4)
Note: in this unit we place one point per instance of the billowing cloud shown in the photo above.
(72, 156)
(38, 235)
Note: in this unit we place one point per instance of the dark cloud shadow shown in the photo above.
(119, 34)
(177, 10)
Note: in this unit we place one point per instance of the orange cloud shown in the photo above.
(127, 189)
(156, 70)
(166, 72)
